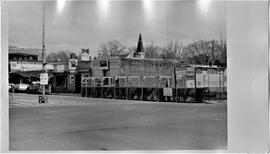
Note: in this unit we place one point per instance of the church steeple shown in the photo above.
(140, 45)
(140, 50)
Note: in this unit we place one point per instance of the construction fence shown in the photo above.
(186, 85)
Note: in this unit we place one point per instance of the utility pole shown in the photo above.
(175, 83)
(167, 29)
(43, 99)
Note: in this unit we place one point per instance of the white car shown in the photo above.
(21, 87)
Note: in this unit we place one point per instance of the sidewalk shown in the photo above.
(67, 94)
(216, 101)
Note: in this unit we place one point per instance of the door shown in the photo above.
(78, 83)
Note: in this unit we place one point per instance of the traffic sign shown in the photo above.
(44, 78)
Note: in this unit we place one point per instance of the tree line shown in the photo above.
(202, 52)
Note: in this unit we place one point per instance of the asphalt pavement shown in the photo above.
(76, 123)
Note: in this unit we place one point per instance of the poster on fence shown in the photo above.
(190, 84)
(133, 81)
(202, 79)
(122, 81)
(165, 81)
(97, 82)
(89, 82)
(149, 81)
(181, 83)
(167, 92)
(180, 72)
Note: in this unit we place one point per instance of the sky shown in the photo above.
(72, 25)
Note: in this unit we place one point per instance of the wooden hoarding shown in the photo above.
(149, 81)
(134, 81)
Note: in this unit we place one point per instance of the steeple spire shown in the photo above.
(140, 50)
(140, 44)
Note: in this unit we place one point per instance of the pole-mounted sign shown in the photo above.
(44, 78)
(85, 55)
(72, 65)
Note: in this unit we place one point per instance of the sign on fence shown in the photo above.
(180, 72)
(190, 84)
(44, 78)
(134, 81)
(202, 79)
(167, 92)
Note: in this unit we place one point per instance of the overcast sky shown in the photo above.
(88, 24)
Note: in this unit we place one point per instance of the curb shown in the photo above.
(65, 94)
(213, 102)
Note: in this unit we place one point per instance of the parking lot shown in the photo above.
(77, 123)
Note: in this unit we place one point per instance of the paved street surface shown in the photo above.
(76, 123)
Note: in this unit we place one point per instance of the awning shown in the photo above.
(28, 74)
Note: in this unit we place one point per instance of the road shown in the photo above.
(76, 123)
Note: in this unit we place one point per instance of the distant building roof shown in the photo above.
(23, 54)
(32, 51)
(125, 55)
(25, 51)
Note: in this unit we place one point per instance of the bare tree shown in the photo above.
(152, 51)
(205, 52)
(112, 48)
(63, 56)
(172, 51)
(223, 56)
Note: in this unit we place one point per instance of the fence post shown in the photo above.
(114, 87)
(175, 85)
(127, 93)
(220, 89)
(141, 83)
(195, 84)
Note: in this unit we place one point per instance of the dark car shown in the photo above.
(33, 88)
(36, 88)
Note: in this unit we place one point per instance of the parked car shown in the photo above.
(21, 87)
(33, 88)
(48, 89)
(36, 88)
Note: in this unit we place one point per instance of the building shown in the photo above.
(141, 78)
(129, 77)
(25, 66)
(24, 54)
(25, 59)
